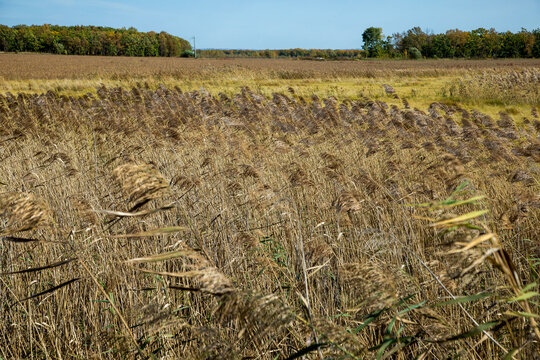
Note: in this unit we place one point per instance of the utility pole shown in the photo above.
(194, 47)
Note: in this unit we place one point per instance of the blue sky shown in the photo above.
(276, 24)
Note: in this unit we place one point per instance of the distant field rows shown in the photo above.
(42, 66)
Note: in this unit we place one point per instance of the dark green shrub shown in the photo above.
(414, 53)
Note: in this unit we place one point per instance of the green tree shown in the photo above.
(174, 47)
(492, 43)
(536, 45)
(415, 37)
(440, 47)
(373, 41)
(511, 45)
(90, 40)
(458, 39)
(163, 44)
(8, 38)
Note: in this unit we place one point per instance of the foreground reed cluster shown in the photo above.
(168, 224)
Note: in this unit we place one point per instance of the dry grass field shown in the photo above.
(47, 66)
(474, 84)
(265, 215)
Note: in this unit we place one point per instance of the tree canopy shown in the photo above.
(416, 43)
(373, 41)
(98, 40)
(455, 43)
(90, 40)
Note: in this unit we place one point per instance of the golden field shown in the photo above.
(420, 82)
(268, 209)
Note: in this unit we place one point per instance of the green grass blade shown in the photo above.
(464, 299)
(524, 296)
(460, 219)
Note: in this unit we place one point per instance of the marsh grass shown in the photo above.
(495, 88)
(420, 82)
(195, 225)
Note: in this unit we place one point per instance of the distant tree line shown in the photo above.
(91, 40)
(479, 43)
(415, 43)
(293, 53)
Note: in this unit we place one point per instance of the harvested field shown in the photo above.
(44, 66)
(154, 221)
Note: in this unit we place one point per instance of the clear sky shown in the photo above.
(277, 24)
